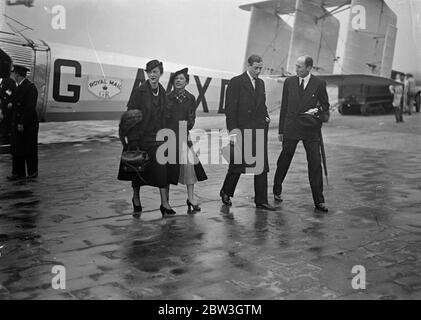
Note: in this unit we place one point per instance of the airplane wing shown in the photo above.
(287, 6)
(357, 79)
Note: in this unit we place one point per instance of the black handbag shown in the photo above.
(134, 161)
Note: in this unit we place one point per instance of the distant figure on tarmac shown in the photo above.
(411, 92)
(398, 91)
(151, 99)
(24, 127)
(305, 105)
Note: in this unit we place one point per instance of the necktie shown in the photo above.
(302, 87)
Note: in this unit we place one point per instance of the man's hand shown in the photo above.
(20, 127)
(312, 111)
(267, 120)
(281, 137)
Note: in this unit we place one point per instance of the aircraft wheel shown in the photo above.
(364, 110)
(341, 110)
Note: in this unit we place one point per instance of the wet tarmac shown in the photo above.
(77, 214)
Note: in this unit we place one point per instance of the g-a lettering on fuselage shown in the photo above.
(140, 78)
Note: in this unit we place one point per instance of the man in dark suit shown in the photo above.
(245, 108)
(24, 138)
(7, 88)
(304, 98)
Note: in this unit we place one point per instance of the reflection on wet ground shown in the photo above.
(77, 214)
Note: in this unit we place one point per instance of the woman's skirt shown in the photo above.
(188, 170)
(156, 174)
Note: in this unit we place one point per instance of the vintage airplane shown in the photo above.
(78, 83)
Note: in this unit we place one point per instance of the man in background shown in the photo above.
(7, 88)
(398, 91)
(411, 92)
(24, 127)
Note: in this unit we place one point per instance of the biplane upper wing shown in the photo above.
(357, 79)
(287, 6)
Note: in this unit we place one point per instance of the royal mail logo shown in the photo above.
(104, 88)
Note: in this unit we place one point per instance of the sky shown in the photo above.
(204, 33)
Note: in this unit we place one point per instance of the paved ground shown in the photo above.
(79, 216)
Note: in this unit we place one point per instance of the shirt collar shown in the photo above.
(21, 82)
(306, 79)
(251, 78)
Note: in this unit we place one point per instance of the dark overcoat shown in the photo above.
(7, 91)
(184, 110)
(24, 112)
(245, 108)
(143, 135)
(315, 96)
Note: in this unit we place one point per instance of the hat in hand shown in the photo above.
(308, 121)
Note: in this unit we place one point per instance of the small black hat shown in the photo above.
(153, 64)
(20, 70)
(308, 121)
(184, 71)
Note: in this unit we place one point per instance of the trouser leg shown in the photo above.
(315, 174)
(283, 163)
(230, 183)
(32, 163)
(261, 188)
(19, 166)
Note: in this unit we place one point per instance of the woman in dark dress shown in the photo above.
(150, 98)
(182, 110)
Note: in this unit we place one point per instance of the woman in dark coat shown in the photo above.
(150, 98)
(188, 169)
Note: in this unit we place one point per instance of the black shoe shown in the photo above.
(137, 210)
(195, 209)
(165, 211)
(321, 207)
(32, 176)
(265, 206)
(225, 198)
(277, 198)
(15, 177)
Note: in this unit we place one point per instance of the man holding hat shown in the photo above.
(24, 138)
(305, 105)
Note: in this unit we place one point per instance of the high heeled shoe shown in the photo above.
(195, 209)
(137, 210)
(165, 211)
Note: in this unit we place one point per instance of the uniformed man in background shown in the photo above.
(24, 127)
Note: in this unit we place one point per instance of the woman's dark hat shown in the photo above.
(184, 71)
(21, 70)
(153, 64)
